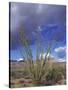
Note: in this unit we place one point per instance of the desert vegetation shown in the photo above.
(39, 72)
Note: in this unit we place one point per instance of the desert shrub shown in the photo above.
(16, 74)
(54, 76)
(19, 74)
(63, 70)
(39, 68)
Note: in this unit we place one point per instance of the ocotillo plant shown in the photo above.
(38, 68)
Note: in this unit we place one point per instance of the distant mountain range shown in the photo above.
(17, 60)
(50, 58)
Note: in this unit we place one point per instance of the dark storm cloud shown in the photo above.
(31, 16)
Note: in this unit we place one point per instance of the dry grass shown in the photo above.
(26, 80)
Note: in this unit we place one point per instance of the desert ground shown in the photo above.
(19, 77)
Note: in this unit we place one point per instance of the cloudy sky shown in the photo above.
(47, 22)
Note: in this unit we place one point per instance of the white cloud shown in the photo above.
(61, 60)
(60, 52)
(60, 49)
(53, 57)
(44, 54)
(39, 10)
(39, 29)
(20, 59)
